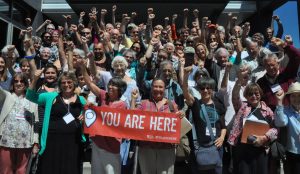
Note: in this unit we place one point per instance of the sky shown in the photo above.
(289, 17)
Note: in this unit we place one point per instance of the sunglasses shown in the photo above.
(178, 44)
(203, 88)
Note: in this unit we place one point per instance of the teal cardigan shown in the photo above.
(46, 99)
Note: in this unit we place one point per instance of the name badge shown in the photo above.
(68, 118)
(275, 88)
(20, 117)
(214, 130)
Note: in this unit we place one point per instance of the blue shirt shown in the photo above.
(287, 116)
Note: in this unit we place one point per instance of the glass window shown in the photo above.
(3, 33)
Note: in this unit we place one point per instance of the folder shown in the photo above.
(254, 127)
(186, 126)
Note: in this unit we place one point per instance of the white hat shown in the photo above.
(294, 87)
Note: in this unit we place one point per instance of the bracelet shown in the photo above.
(29, 57)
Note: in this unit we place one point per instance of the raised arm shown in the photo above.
(185, 17)
(187, 95)
(280, 26)
(39, 29)
(113, 15)
(203, 30)
(102, 19)
(196, 24)
(149, 27)
(61, 49)
(91, 85)
(173, 26)
(281, 118)
(236, 99)
(67, 23)
(225, 79)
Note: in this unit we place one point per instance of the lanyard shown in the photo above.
(67, 106)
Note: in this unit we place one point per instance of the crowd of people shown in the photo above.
(217, 77)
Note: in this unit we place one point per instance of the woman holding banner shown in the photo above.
(160, 155)
(106, 157)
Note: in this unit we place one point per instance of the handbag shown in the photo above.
(277, 150)
(32, 164)
(207, 156)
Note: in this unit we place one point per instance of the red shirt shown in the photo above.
(109, 144)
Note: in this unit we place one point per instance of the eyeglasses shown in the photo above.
(178, 45)
(254, 93)
(129, 57)
(189, 41)
(47, 36)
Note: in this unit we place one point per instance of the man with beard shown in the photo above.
(47, 42)
(102, 59)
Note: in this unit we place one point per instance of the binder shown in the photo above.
(186, 126)
(254, 127)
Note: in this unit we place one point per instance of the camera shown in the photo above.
(251, 139)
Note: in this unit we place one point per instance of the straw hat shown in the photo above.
(294, 87)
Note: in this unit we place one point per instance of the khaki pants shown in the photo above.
(104, 162)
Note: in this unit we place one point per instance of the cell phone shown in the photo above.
(189, 59)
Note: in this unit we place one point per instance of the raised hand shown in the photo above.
(103, 11)
(28, 21)
(150, 11)
(185, 11)
(67, 17)
(114, 8)
(276, 18)
(196, 13)
(48, 21)
(83, 39)
(277, 42)
(82, 14)
(38, 73)
(280, 96)
(60, 29)
(133, 14)
(228, 66)
(154, 41)
(134, 94)
(151, 16)
(181, 60)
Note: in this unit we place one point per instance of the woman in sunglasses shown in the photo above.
(17, 118)
(215, 113)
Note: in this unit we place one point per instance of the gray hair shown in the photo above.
(69, 75)
(220, 50)
(43, 48)
(169, 44)
(80, 52)
(270, 56)
(119, 59)
(131, 52)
